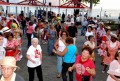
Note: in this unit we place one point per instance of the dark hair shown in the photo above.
(36, 27)
(27, 19)
(14, 21)
(1, 34)
(107, 30)
(69, 40)
(90, 27)
(30, 23)
(64, 32)
(10, 34)
(116, 55)
(89, 37)
(89, 49)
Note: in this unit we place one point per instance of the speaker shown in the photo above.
(49, 3)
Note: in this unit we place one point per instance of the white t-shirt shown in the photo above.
(34, 54)
(34, 25)
(78, 19)
(89, 33)
(92, 45)
(2, 52)
(72, 20)
(4, 42)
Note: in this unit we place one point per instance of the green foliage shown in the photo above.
(112, 24)
(89, 1)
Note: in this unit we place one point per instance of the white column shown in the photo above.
(21, 8)
(66, 15)
(36, 11)
(24, 10)
(82, 15)
(59, 8)
(16, 11)
(28, 11)
(8, 9)
(46, 13)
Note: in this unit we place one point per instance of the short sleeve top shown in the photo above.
(34, 54)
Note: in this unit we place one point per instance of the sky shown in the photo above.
(105, 4)
(108, 4)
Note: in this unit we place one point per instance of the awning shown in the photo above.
(3, 3)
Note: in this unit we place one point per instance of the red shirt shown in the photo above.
(89, 63)
(9, 24)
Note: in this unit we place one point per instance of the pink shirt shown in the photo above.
(30, 29)
(11, 44)
(89, 63)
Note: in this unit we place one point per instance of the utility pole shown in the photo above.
(100, 13)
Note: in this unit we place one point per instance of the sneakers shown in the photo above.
(59, 75)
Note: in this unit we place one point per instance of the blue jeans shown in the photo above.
(84, 28)
(59, 64)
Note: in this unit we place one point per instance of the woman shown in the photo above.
(102, 50)
(51, 33)
(35, 34)
(29, 32)
(58, 28)
(114, 69)
(100, 33)
(89, 32)
(111, 47)
(60, 45)
(85, 68)
(34, 56)
(91, 44)
(69, 56)
(11, 47)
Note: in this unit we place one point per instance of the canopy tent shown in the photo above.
(29, 3)
(3, 3)
(74, 4)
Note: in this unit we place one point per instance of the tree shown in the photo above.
(91, 4)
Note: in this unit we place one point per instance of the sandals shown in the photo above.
(59, 75)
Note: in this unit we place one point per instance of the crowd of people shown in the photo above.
(60, 37)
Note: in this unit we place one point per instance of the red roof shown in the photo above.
(29, 3)
(3, 2)
(73, 4)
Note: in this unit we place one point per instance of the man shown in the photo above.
(8, 67)
(72, 30)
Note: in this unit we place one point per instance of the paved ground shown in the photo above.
(49, 63)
